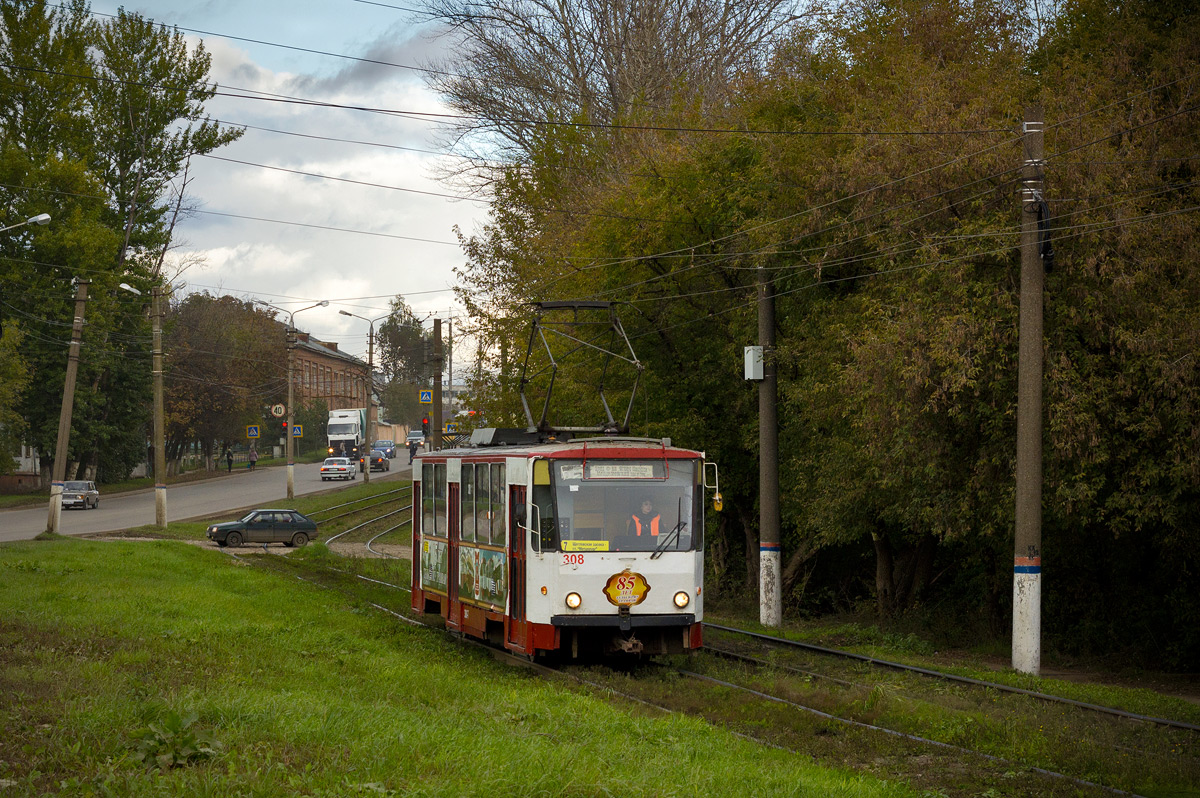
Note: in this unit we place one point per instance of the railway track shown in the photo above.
(952, 734)
(941, 675)
(935, 738)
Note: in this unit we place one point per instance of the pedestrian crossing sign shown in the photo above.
(451, 426)
(252, 431)
(297, 430)
(426, 397)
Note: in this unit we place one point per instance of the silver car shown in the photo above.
(81, 494)
(338, 468)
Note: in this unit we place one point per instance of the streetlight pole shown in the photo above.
(64, 416)
(156, 369)
(291, 446)
(160, 432)
(370, 388)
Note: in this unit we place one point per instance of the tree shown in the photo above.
(523, 64)
(226, 362)
(14, 379)
(148, 100)
(96, 122)
(874, 180)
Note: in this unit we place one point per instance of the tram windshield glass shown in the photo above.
(624, 505)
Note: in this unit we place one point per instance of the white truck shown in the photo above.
(347, 432)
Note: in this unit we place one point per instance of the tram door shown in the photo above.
(452, 533)
(518, 628)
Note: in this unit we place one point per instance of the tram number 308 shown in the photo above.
(572, 559)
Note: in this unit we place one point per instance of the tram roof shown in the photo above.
(578, 447)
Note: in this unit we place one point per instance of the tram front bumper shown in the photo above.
(624, 621)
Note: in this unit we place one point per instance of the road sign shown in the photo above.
(252, 431)
(426, 397)
(451, 426)
(278, 410)
(297, 430)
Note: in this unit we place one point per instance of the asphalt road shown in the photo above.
(242, 489)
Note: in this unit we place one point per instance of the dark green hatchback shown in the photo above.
(265, 526)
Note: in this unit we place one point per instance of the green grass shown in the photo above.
(155, 668)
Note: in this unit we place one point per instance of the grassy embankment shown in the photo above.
(135, 668)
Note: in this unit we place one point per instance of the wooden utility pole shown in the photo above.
(769, 600)
(1027, 559)
(64, 417)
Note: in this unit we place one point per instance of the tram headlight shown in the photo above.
(682, 599)
(574, 600)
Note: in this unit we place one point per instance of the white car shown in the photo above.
(338, 468)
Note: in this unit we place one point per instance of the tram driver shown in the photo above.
(646, 521)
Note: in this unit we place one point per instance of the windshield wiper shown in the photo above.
(674, 533)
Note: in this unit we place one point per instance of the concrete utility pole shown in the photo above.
(64, 417)
(370, 386)
(370, 403)
(290, 440)
(160, 444)
(436, 430)
(1027, 554)
(287, 441)
(769, 600)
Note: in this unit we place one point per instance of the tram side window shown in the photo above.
(427, 505)
(483, 521)
(468, 502)
(497, 504)
(442, 507)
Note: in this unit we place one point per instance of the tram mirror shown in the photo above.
(717, 502)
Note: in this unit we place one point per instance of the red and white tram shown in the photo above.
(583, 547)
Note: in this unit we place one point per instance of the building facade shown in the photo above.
(321, 371)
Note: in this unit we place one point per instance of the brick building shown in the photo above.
(321, 371)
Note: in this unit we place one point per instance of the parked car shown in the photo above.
(81, 494)
(379, 461)
(387, 447)
(288, 527)
(338, 468)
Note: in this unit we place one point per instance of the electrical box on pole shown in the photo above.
(754, 363)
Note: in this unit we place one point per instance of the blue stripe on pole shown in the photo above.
(1027, 569)
(768, 547)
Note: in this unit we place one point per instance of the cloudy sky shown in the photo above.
(402, 239)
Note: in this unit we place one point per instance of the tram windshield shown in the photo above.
(623, 505)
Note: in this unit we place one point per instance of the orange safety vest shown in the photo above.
(653, 525)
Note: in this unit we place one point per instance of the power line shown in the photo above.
(455, 118)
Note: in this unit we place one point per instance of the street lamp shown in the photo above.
(291, 465)
(370, 388)
(156, 368)
(41, 218)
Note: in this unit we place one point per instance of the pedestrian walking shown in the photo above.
(229, 459)
(253, 457)
(412, 451)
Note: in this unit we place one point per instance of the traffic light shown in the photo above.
(285, 428)
(425, 425)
